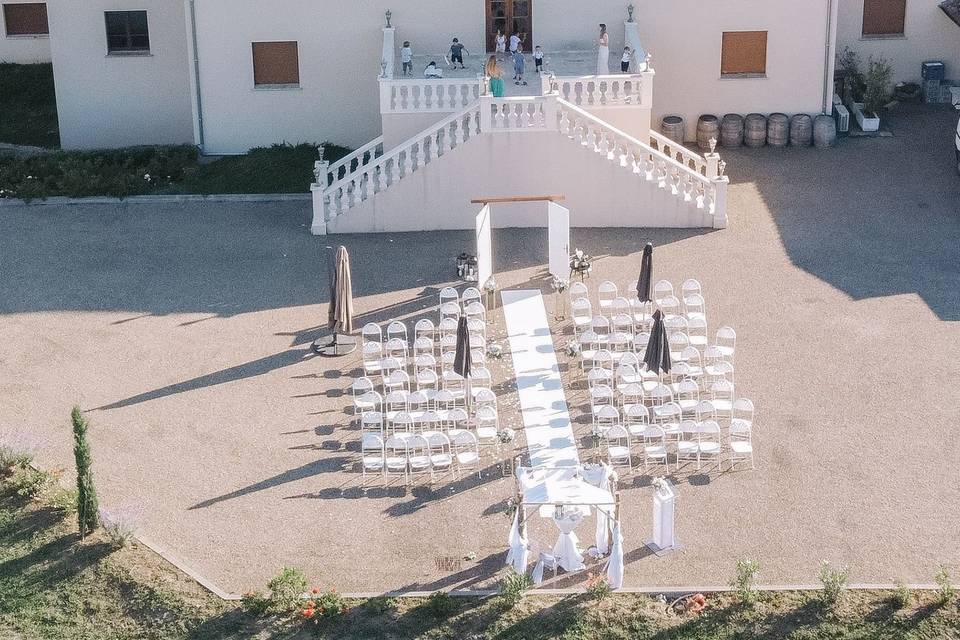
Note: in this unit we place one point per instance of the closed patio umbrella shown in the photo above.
(646, 274)
(340, 309)
(657, 357)
(615, 564)
(463, 358)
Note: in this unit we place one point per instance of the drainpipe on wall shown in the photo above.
(829, 56)
(196, 74)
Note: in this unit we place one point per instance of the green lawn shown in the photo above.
(55, 586)
(28, 105)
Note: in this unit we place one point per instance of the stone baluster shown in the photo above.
(564, 123)
(378, 185)
(352, 188)
(407, 162)
(420, 155)
(602, 90)
(327, 207)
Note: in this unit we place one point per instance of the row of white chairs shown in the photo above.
(697, 441)
(440, 392)
(669, 414)
(371, 333)
(607, 291)
(411, 454)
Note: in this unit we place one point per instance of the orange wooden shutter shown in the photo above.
(26, 19)
(276, 63)
(744, 52)
(884, 17)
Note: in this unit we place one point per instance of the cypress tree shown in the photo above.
(87, 507)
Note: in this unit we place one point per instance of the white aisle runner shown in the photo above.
(543, 404)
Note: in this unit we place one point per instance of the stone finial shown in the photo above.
(713, 144)
(388, 15)
(629, 13)
(320, 151)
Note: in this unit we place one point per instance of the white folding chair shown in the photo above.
(466, 450)
(742, 414)
(441, 457)
(424, 328)
(393, 403)
(617, 439)
(606, 293)
(636, 419)
(449, 294)
(601, 396)
(456, 421)
(484, 397)
(642, 315)
(402, 423)
(668, 417)
(726, 342)
(417, 404)
(709, 445)
(688, 397)
(395, 462)
(741, 443)
(448, 326)
(688, 442)
(581, 311)
(480, 380)
(689, 288)
(398, 380)
(372, 354)
(449, 311)
(654, 446)
(396, 347)
(424, 362)
(397, 330)
(428, 382)
(695, 307)
(722, 394)
(423, 345)
(470, 294)
(661, 290)
(478, 327)
(487, 426)
(697, 332)
(660, 394)
(606, 417)
(577, 290)
(475, 310)
(372, 421)
(371, 333)
(371, 454)
(429, 423)
(367, 402)
(706, 411)
(418, 456)
(670, 306)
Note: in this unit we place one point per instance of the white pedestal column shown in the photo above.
(664, 538)
(632, 39)
(388, 58)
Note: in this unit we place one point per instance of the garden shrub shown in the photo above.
(946, 592)
(744, 581)
(834, 583)
(513, 587)
(286, 591)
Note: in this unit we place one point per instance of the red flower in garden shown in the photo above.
(308, 613)
(315, 590)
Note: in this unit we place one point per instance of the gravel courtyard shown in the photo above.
(184, 330)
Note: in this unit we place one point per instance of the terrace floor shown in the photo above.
(184, 330)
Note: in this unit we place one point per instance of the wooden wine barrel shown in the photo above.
(755, 130)
(778, 130)
(731, 130)
(824, 132)
(801, 130)
(708, 127)
(673, 128)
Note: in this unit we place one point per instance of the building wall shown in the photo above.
(928, 35)
(22, 49)
(111, 100)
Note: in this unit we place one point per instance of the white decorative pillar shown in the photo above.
(388, 58)
(631, 36)
(720, 203)
(486, 116)
(664, 537)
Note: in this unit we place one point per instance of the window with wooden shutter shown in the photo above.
(26, 19)
(744, 53)
(884, 17)
(276, 63)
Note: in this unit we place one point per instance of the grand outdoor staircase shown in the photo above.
(693, 187)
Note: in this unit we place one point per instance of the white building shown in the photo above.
(24, 32)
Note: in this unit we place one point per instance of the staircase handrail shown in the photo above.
(348, 159)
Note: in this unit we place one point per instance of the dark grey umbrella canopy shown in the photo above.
(340, 317)
(657, 357)
(646, 274)
(463, 360)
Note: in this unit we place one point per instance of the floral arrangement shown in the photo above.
(494, 351)
(559, 284)
(581, 262)
(659, 483)
(490, 286)
(573, 348)
(506, 435)
(512, 505)
(466, 266)
(322, 605)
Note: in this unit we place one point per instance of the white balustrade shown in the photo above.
(429, 95)
(351, 162)
(600, 91)
(536, 113)
(683, 176)
(383, 171)
(678, 152)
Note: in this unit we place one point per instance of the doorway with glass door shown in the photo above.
(509, 17)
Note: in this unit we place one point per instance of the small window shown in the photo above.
(127, 32)
(276, 63)
(744, 53)
(26, 19)
(884, 17)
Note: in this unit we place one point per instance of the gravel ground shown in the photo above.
(184, 330)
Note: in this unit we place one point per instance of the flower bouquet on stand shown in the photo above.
(581, 264)
(559, 300)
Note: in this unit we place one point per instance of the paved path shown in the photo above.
(543, 404)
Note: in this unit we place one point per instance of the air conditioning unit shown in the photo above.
(842, 116)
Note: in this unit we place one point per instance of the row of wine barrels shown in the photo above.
(673, 128)
(778, 130)
(731, 131)
(708, 128)
(755, 130)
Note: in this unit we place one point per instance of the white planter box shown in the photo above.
(866, 123)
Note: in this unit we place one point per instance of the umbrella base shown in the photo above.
(341, 345)
(662, 551)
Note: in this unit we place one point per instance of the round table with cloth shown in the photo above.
(567, 551)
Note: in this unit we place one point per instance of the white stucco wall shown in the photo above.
(113, 101)
(599, 193)
(22, 49)
(928, 35)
